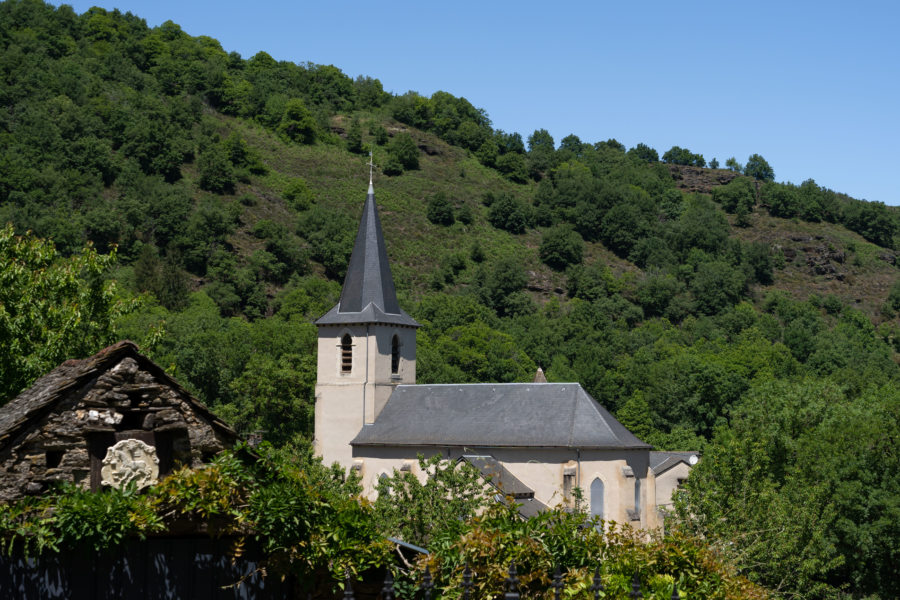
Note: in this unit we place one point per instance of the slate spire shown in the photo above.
(368, 295)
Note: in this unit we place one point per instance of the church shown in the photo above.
(536, 441)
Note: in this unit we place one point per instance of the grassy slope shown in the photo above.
(416, 246)
(862, 277)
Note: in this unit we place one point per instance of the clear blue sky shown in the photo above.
(813, 86)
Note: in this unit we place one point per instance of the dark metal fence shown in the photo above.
(426, 586)
(198, 567)
(194, 568)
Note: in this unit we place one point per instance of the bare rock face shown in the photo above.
(821, 260)
(96, 424)
(697, 179)
(429, 149)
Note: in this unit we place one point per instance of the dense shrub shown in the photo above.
(439, 209)
(561, 247)
(509, 213)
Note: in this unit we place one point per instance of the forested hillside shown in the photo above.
(709, 309)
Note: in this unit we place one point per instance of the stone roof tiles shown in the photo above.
(40, 398)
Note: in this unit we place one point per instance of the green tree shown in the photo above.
(216, 171)
(541, 153)
(330, 234)
(403, 149)
(419, 513)
(470, 135)
(499, 281)
(801, 491)
(657, 291)
(298, 195)
(716, 285)
(510, 214)
(297, 123)
(738, 194)
(758, 168)
(621, 228)
(488, 152)
(513, 166)
(893, 298)
(163, 278)
(677, 155)
(700, 226)
(571, 148)
(392, 166)
(464, 214)
(561, 246)
(635, 414)
(733, 165)
(645, 153)
(51, 308)
(781, 199)
(758, 257)
(274, 396)
(439, 209)
(379, 133)
(354, 137)
(474, 353)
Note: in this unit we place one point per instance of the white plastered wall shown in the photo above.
(345, 401)
(667, 484)
(541, 469)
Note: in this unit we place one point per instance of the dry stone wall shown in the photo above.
(70, 441)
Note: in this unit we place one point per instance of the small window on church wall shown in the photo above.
(395, 355)
(568, 485)
(346, 353)
(637, 497)
(597, 498)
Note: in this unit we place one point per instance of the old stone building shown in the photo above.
(538, 441)
(110, 419)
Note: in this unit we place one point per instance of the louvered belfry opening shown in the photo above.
(346, 353)
(395, 355)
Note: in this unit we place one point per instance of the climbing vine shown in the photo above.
(310, 520)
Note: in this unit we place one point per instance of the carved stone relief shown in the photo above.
(127, 461)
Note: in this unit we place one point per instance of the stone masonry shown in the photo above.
(62, 427)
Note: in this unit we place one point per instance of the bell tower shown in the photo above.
(367, 345)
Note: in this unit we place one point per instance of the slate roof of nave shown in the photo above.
(538, 415)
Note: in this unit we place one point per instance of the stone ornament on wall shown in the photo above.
(127, 461)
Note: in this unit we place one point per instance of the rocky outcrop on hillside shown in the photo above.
(697, 179)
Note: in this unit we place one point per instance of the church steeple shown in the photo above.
(368, 295)
(366, 346)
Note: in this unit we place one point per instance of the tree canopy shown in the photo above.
(758, 168)
(51, 308)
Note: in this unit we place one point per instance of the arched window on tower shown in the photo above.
(395, 355)
(346, 353)
(597, 498)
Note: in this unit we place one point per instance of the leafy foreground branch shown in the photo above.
(311, 521)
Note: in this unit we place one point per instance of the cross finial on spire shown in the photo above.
(371, 164)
